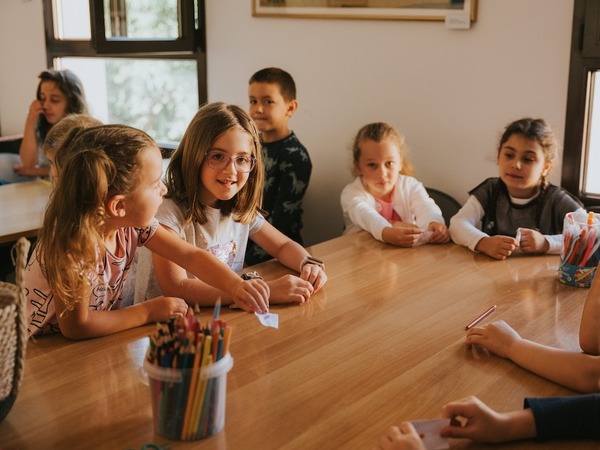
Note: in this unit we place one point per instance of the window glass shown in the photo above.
(156, 95)
(142, 19)
(592, 146)
(72, 20)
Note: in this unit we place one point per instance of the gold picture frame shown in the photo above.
(366, 9)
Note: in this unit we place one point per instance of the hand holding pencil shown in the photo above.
(497, 337)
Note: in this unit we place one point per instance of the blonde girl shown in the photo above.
(101, 210)
(519, 199)
(58, 133)
(215, 184)
(385, 199)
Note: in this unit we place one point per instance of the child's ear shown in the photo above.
(292, 107)
(115, 206)
(547, 168)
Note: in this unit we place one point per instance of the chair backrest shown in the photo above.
(448, 204)
(10, 144)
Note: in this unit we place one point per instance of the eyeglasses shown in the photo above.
(220, 160)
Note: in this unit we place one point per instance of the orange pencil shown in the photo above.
(226, 340)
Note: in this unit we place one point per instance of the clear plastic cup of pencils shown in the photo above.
(187, 368)
(580, 252)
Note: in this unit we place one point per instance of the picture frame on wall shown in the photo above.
(366, 9)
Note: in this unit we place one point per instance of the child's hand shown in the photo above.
(252, 295)
(479, 421)
(439, 233)
(533, 241)
(290, 289)
(20, 169)
(403, 437)
(315, 275)
(163, 308)
(497, 247)
(35, 109)
(402, 234)
(498, 337)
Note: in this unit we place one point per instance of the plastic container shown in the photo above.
(580, 252)
(188, 406)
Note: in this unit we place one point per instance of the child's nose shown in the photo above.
(230, 167)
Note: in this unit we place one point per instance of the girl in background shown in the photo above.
(101, 210)
(385, 199)
(59, 93)
(215, 184)
(57, 135)
(520, 199)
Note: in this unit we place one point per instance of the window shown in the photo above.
(581, 160)
(142, 62)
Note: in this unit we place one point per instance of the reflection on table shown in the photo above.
(22, 210)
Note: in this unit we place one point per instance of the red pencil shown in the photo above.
(480, 317)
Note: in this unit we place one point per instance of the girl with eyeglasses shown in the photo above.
(215, 183)
(100, 213)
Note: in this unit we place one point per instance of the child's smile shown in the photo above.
(221, 179)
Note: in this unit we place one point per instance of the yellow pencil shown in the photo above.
(201, 389)
(190, 400)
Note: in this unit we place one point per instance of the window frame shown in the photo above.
(135, 49)
(185, 43)
(584, 59)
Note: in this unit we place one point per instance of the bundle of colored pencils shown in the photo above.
(581, 240)
(184, 401)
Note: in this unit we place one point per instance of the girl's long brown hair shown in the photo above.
(95, 163)
(183, 173)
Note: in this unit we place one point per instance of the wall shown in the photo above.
(449, 91)
(22, 58)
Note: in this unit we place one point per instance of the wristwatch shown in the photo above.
(311, 260)
(254, 275)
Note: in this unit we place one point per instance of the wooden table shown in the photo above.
(22, 207)
(381, 343)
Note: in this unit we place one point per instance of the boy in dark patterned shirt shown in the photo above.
(272, 95)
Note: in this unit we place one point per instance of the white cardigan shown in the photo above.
(411, 202)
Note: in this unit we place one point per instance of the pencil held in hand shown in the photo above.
(480, 317)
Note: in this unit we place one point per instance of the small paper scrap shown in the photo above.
(269, 319)
(424, 239)
(429, 430)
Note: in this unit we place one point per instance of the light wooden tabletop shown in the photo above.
(381, 343)
(22, 207)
